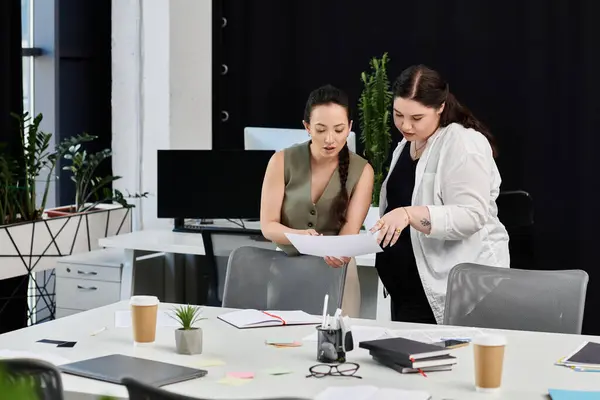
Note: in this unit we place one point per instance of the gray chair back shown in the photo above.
(30, 378)
(508, 298)
(267, 279)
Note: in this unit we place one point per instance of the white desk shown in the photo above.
(167, 241)
(528, 372)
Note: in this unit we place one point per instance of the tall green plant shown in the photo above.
(19, 174)
(374, 113)
(91, 189)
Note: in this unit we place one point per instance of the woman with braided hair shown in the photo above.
(319, 187)
(438, 202)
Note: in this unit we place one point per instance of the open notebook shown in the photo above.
(257, 319)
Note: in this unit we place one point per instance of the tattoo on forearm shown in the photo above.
(425, 222)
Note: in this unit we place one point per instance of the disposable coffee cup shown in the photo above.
(489, 360)
(144, 310)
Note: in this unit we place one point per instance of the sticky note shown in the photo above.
(210, 363)
(240, 375)
(233, 381)
(280, 343)
(278, 371)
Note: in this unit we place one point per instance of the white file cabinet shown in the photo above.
(88, 280)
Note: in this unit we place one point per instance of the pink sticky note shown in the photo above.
(241, 375)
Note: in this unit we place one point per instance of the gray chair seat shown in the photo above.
(508, 298)
(267, 279)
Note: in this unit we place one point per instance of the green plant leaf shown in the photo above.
(187, 315)
(374, 118)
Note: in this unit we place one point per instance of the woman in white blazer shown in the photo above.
(442, 185)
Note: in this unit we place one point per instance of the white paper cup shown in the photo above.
(144, 310)
(488, 351)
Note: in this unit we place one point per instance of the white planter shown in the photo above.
(30, 247)
(372, 217)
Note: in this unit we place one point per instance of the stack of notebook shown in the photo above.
(409, 356)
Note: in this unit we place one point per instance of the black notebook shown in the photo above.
(401, 348)
(426, 362)
(115, 367)
(408, 370)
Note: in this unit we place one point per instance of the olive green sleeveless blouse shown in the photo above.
(298, 210)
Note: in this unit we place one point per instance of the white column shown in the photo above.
(161, 95)
(191, 74)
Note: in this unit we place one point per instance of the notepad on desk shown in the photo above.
(585, 356)
(251, 318)
(559, 394)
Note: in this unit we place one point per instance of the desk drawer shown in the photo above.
(85, 294)
(88, 272)
(65, 312)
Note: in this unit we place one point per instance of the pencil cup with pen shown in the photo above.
(334, 338)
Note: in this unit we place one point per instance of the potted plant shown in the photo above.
(374, 115)
(33, 237)
(188, 338)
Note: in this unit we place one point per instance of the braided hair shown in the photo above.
(331, 95)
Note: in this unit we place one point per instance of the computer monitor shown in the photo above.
(277, 139)
(210, 184)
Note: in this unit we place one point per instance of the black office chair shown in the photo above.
(515, 208)
(515, 211)
(142, 391)
(29, 378)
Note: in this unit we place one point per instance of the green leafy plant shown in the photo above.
(20, 171)
(374, 113)
(90, 189)
(187, 316)
(16, 387)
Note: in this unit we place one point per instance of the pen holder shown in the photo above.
(330, 346)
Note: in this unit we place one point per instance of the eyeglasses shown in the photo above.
(345, 369)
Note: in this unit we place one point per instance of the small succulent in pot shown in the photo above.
(188, 339)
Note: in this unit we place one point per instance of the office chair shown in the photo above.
(142, 391)
(515, 211)
(267, 279)
(30, 377)
(509, 298)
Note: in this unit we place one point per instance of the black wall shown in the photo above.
(84, 79)
(527, 69)
(13, 291)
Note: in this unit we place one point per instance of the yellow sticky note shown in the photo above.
(210, 363)
(233, 381)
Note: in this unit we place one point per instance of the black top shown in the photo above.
(397, 266)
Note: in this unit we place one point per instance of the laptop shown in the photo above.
(113, 368)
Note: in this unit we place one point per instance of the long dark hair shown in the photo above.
(331, 95)
(426, 86)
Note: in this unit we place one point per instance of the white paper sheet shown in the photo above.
(335, 246)
(51, 358)
(370, 393)
(360, 333)
(163, 318)
(437, 335)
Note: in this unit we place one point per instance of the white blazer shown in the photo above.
(457, 179)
